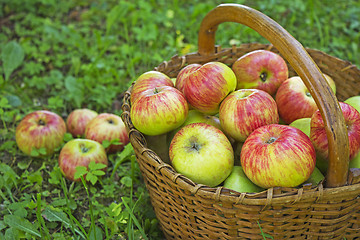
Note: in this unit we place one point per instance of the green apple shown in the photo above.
(354, 101)
(239, 182)
(303, 124)
(355, 162)
(316, 177)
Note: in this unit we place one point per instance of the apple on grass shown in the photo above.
(110, 127)
(278, 156)
(202, 153)
(80, 152)
(238, 181)
(207, 86)
(78, 119)
(245, 110)
(260, 69)
(159, 110)
(40, 129)
(149, 80)
(294, 100)
(182, 75)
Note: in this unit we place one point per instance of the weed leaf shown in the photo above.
(12, 56)
(21, 224)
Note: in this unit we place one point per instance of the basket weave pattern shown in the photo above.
(187, 210)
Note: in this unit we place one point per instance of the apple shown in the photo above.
(354, 101)
(260, 69)
(294, 101)
(149, 80)
(278, 156)
(78, 119)
(245, 110)
(355, 162)
(238, 181)
(318, 134)
(40, 129)
(207, 86)
(110, 127)
(303, 124)
(80, 152)
(202, 153)
(159, 110)
(316, 177)
(182, 75)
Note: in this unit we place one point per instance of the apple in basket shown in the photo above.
(159, 110)
(110, 127)
(207, 86)
(80, 152)
(202, 153)
(40, 129)
(260, 69)
(295, 101)
(239, 182)
(78, 119)
(149, 80)
(278, 156)
(354, 101)
(319, 138)
(245, 110)
(182, 75)
(303, 124)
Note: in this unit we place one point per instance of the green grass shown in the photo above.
(62, 55)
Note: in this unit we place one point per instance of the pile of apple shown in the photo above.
(43, 131)
(248, 126)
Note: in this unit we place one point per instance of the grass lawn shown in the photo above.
(63, 55)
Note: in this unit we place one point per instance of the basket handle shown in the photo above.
(304, 66)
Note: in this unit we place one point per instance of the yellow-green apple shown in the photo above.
(303, 124)
(294, 101)
(78, 119)
(260, 69)
(238, 181)
(40, 129)
(202, 153)
(316, 177)
(278, 156)
(149, 80)
(355, 162)
(159, 110)
(182, 75)
(318, 133)
(110, 127)
(244, 110)
(207, 86)
(354, 101)
(80, 152)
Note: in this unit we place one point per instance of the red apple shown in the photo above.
(278, 156)
(318, 133)
(80, 152)
(207, 86)
(182, 75)
(108, 126)
(294, 101)
(78, 119)
(202, 153)
(149, 80)
(40, 129)
(260, 69)
(159, 110)
(245, 110)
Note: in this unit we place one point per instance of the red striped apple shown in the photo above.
(78, 119)
(80, 152)
(245, 110)
(149, 80)
(159, 110)
(202, 153)
(294, 100)
(40, 129)
(318, 133)
(207, 86)
(260, 69)
(110, 127)
(278, 156)
(182, 75)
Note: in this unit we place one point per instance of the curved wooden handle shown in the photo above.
(304, 66)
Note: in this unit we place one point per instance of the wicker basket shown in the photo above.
(331, 210)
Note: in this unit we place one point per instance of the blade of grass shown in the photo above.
(42, 225)
(133, 217)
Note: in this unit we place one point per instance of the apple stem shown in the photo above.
(83, 148)
(263, 76)
(41, 122)
(195, 146)
(270, 140)
(308, 94)
(110, 121)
